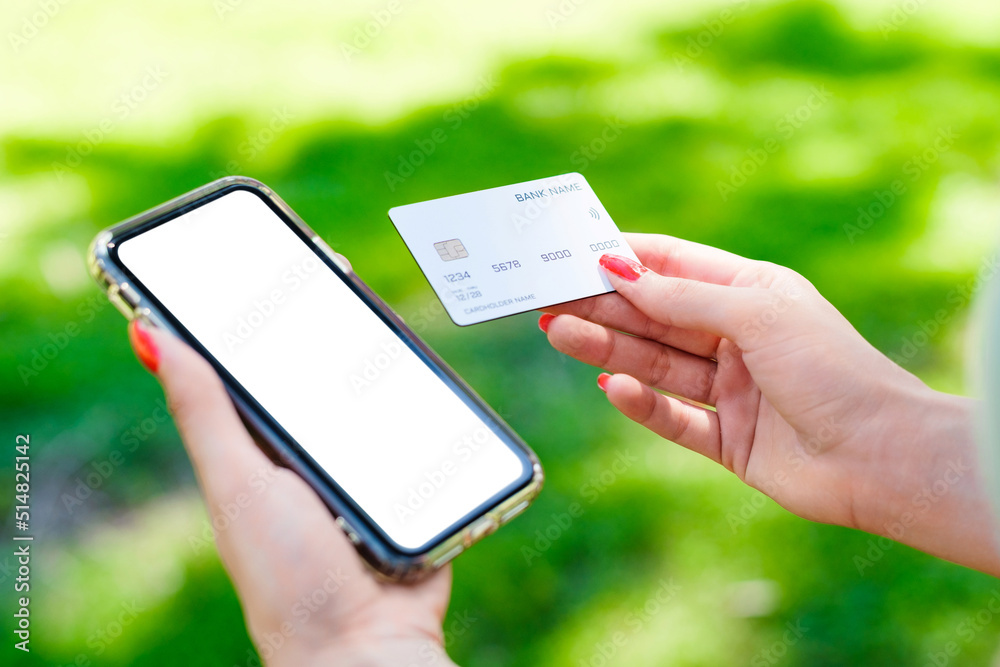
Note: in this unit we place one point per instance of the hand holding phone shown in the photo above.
(412, 463)
(307, 596)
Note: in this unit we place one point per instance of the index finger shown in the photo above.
(224, 456)
(615, 311)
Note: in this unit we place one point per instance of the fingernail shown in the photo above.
(144, 346)
(602, 382)
(544, 321)
(623, 267)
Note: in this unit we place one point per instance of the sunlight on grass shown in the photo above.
(963, 228)
(137, 561)
(33, 205)
(109, 110)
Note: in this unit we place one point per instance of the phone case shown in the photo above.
(381, 555)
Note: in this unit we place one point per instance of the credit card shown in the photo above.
(508, 250)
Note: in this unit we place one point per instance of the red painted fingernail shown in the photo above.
(623, 267)
(544, 321)
(144, 346)
(602, 382)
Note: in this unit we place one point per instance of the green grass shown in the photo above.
(668, 518)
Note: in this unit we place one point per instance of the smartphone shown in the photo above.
(414, 466)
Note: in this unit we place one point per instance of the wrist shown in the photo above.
(928, 491)
(366, 651)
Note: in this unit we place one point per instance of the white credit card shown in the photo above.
(512, 249)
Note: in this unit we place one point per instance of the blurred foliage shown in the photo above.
(692, 113)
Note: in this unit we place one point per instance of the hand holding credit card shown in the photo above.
(508, 250)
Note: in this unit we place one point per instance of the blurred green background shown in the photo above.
(856, 142)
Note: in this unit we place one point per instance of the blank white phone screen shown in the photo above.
(350, 392)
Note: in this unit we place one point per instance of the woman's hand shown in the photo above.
(307, 596)
(803, 408)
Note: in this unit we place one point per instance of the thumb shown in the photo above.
(224, 456)
(722, 310)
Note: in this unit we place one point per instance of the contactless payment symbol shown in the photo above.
(451, 249)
